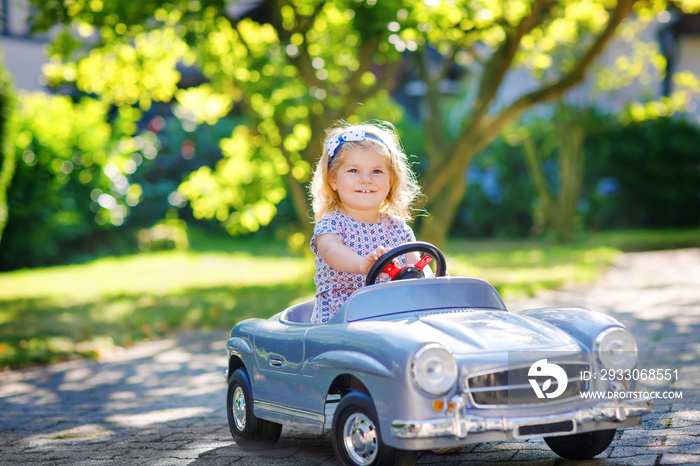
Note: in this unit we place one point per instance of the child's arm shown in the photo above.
(340, 257)
(412, 258)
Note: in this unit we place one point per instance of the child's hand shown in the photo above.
(373, 257)
(344, 259)
(370, 259)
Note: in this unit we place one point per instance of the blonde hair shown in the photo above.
(404, 188)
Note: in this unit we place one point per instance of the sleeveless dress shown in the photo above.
(334, 287)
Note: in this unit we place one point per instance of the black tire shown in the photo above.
(581, 446)
(248, 431)
(357, 440)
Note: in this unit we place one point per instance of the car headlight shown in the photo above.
(434, 370)
(616, 349)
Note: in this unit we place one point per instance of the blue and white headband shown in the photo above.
(334, 143)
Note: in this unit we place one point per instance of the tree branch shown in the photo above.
(302, 61)
(502, 59)
(491, 80)
(383, 82)
(556, 89)
(432, 120)
(482, 131)
(364, 56)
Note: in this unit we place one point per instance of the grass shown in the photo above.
(648, 240)
(87, 310)
(523, 268)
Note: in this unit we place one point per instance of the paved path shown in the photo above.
(164, 402)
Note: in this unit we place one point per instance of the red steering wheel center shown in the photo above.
(393, 270)
(385, 264)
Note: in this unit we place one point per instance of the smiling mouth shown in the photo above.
(364, 191)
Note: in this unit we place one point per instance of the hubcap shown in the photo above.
(239, 408)
(360, 438)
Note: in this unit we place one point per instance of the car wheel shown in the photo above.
(248, 431)
(356, 438)
(581, 446)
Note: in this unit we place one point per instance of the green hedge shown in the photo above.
(637, 175)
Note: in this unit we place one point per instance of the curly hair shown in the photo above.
(404, 188)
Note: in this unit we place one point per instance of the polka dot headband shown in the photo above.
(335, 142)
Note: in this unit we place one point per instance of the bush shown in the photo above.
(636, 175)
(69, 187)
(8, 156)
(500, 195)
(644, 175)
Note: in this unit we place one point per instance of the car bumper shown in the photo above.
(461, 424)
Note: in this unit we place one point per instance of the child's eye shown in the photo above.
(378, 171)
(353, 170)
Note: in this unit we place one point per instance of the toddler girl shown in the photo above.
(362, 191)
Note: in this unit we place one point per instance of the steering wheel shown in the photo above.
(385, 263)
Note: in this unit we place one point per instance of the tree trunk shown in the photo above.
(435, 227)
(556, 206)
(543, 211)
(445, 189)
(301, 205)
(570, 178)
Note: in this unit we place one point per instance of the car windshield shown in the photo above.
(420, 295)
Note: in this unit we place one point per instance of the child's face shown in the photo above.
(362, 181)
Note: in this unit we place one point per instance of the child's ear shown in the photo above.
(333, 181)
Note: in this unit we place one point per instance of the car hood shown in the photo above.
(495, 331)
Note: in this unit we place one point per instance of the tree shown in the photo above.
(292, 66)
(7, 152)
(534, 35)
(555, 146)
(290, 76)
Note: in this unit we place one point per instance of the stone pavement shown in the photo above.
(163, 402)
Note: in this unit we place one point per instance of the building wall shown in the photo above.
(24, 59)
(23, 56)
(689, 60)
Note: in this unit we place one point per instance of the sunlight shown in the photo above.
(175, 355)
(27, 394)
(159, 273)
(77, 374)
(122, 396)
(95, 380)
(75, 434)
(157, 417)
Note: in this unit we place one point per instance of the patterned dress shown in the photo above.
(334, 287)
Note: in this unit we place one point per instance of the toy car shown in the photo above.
(430, 364)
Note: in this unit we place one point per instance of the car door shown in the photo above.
(279, 354)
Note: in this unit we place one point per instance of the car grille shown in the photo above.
(512, 387)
